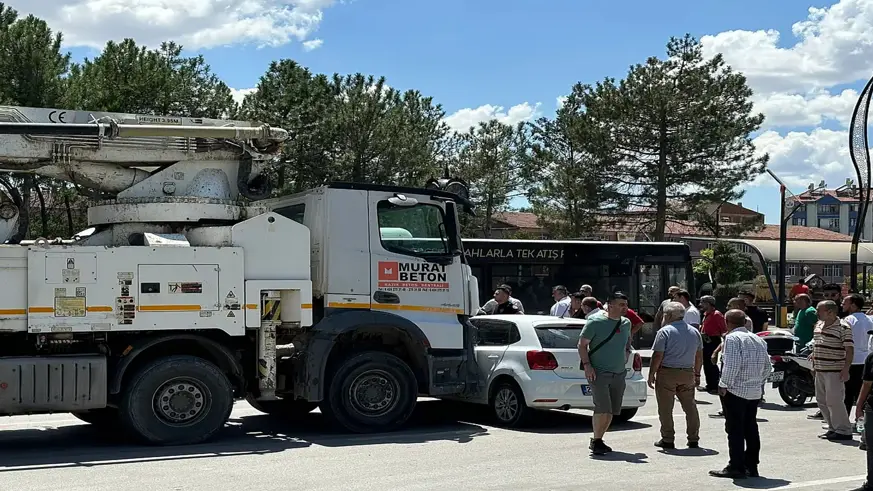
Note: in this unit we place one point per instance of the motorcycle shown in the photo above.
(792, 372)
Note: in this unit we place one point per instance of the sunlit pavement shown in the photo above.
(447, 447)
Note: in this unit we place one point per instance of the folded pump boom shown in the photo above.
(157, 174)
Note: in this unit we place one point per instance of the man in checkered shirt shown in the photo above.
(745, 368)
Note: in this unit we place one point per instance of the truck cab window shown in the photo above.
(293, 212)
(412, 230)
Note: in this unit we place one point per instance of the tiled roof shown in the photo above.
(528, 220)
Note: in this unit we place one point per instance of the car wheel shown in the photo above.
(626, 415)
(508, 406)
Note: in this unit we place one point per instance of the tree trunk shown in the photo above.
(43, 215)
(69, 211)
(661, 204)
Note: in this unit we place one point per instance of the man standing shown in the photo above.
(745, 367)
(853, 305)
(604, 347)
(671, 295)
(677, 356)
(562, 301)
(713, 329)
(692, 315)
(834, 293)
(760, 319)
(490, 306)
(832, 355)
(804, 320)
(590, 307)
(799, 288)
(864, 409)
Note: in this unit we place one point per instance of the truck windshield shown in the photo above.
(414, 230)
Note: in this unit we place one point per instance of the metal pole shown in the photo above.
(783, 246)
(858, 146)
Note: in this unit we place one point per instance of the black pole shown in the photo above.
(859, 151)
(783, 246)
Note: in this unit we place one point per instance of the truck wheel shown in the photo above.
(177, 400)
(282, 407)
(371, 391)
(106, 418)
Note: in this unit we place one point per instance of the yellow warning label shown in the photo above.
(69, 306)
(272, 310)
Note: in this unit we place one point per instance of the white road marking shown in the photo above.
(821, 482)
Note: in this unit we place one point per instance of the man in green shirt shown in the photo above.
(604, 347)
(805, 318)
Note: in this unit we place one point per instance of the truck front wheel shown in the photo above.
(177, 400)
(371, 391)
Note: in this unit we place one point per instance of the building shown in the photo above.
(832, 209)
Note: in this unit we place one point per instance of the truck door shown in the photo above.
(413, 274)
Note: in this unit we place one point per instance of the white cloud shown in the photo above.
(794, 81)
(463, 119)
(312, 44)
(240, 94)
(193, 23)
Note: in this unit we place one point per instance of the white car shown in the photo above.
(532, 362)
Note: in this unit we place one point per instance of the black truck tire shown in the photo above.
(283, 407)
(370, 392)
(176, 400)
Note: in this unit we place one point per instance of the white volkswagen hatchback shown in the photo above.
(531, 362)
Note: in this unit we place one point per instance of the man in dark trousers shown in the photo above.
(713, 329)
(864, 409)
(745, 367)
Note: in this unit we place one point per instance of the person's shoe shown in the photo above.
(693, 444)
(719, 414)
(826, 435)
(753, 472)
(837, 437)
(728, 473)
(817, 415)
(665, 444)
(597, 447)
(863, 446)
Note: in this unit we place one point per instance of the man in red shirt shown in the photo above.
(799, 288)
(713, 329)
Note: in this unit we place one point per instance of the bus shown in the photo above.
(641, 270)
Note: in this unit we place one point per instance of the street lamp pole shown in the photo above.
(859, 151)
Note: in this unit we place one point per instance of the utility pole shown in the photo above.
(859, 150)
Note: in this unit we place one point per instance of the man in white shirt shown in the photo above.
(692, 315)
(853, 305)
(562, 301)
(589, 307)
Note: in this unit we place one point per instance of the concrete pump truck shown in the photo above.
(191, 288)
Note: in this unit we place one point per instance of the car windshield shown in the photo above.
(559, 337)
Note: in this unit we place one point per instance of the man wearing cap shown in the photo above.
(713, 329)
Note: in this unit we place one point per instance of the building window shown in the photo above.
(772, 269)
(828, 209)
(832, 224)
(791, 269)
(833, 271)
(853, 207)
(852, 223)
(801, 210)
(799, 221)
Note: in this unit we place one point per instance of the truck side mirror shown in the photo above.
(452, 230)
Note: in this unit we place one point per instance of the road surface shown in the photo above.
(446, 447)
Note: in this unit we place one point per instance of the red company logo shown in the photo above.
(388, 271)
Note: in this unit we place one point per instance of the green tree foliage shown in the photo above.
(348, 128)
(492, 160)
(568, 193)
(725, 264)
(129, 78)
(679, 128)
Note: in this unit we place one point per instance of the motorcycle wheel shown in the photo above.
(791, 393)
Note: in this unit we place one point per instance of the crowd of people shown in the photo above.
(701, 348)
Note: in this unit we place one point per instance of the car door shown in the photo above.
(493, 337)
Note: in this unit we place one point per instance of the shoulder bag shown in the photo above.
(599, 345)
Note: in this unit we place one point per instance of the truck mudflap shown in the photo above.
(56, 384)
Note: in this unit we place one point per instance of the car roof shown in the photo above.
(533, 320)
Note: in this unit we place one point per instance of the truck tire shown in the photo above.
(177, 400)
(283, 407)
(370, 392)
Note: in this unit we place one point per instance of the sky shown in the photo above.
(513, 59)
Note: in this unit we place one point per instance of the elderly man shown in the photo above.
(746, 365)
(677, 356)
(833, 350)
(671, 295)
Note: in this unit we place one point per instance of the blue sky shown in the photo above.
(513, 58)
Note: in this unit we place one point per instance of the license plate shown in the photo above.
(586, 390)
(776, 377)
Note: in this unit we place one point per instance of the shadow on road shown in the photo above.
(86, 446)
(772, 406)
(690, 452)
(616, 456)
(761, 483)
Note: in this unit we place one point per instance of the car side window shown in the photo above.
(495, 332)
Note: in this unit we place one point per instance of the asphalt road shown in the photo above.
(447, 446)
